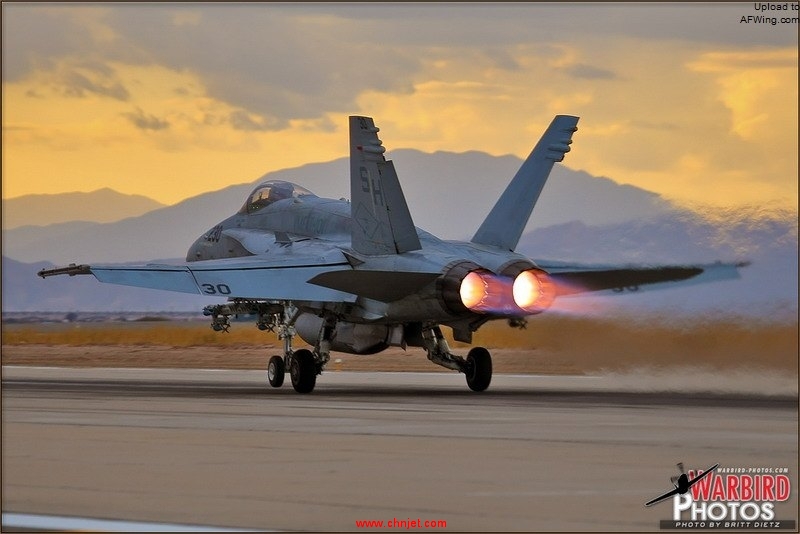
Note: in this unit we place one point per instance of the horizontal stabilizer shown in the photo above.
(571, 280)
(569, 283)
(505, 223)
(384, 286)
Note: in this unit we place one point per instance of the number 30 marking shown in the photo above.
(221, 289)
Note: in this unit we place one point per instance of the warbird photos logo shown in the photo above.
(727, 498)
(682, 484)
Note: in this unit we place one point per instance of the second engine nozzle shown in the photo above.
(533, 291)
(520, 289)
(530, 292)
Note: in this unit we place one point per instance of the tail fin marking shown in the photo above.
(381, 222)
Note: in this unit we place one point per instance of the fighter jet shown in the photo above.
(681, 483)
(358, 276)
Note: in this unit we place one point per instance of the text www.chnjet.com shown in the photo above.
(402, 524)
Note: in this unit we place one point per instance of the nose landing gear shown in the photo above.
(276, 371)
(303, 370)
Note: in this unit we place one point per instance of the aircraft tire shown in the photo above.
(276, 371)
(479, 369)
(303, 371)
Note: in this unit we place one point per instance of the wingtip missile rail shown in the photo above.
(71, 270)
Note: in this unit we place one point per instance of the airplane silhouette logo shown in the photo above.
(681, 483)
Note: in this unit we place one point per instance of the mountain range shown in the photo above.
(448, 194)
(579, 217)
(767, 241)
(101, 206)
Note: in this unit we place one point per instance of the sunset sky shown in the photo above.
(172, 100)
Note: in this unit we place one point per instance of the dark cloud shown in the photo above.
(33, 37)
(146, 122)
(275, 63)
(282, 61)
(323, 124)
(75, 84)
(492, 24)
(502, 59)
(588, 72)
(241, 120)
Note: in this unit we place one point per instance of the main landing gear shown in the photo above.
(477, 366)
(304, 365)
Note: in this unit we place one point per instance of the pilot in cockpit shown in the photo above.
(266, 195)
(279, 191)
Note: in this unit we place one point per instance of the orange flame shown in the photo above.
(531, 292)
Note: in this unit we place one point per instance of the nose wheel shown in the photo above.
(276, 371)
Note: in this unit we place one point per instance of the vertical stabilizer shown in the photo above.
(381, 223)
(505, 223)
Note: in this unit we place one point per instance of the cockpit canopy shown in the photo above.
(271, 191)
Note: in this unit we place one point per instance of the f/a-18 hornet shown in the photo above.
(359, 277)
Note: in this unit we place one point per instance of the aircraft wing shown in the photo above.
(573, 279)
(662, 497)
(255, 277)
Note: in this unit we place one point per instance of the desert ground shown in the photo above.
(549, 345)
(584, 421)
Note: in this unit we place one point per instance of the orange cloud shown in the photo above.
(687, 121)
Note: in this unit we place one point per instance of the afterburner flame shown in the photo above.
(485, 292)
(533, 291)
(473, 290)
(482, 291)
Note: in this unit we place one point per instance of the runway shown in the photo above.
(219, 448)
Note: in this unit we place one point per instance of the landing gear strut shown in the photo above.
(279, 317)
(303, 365)
(477, 366)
